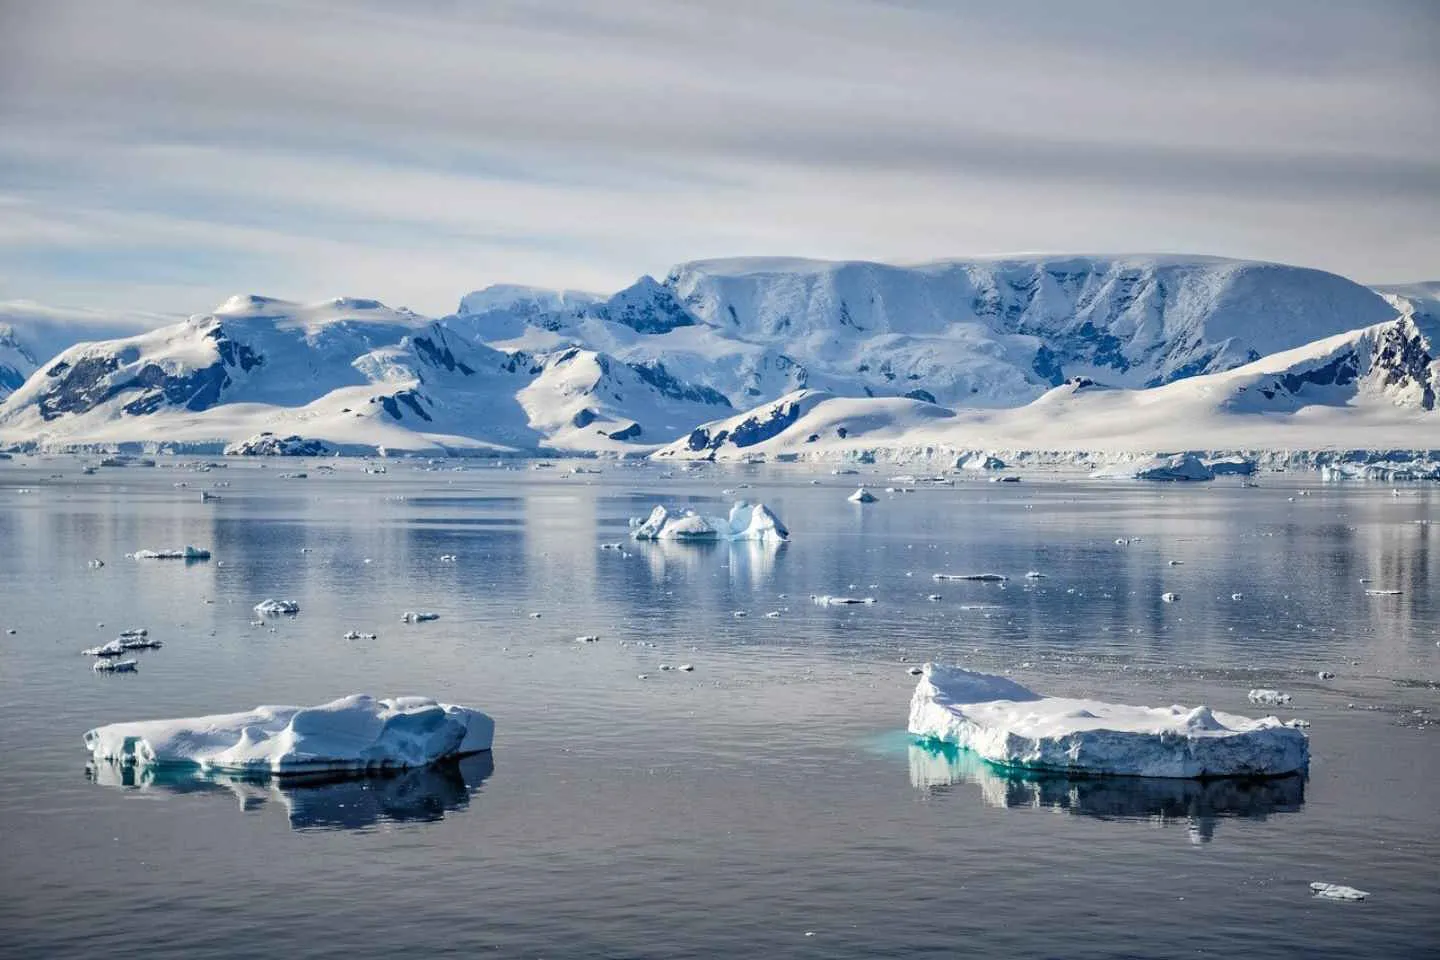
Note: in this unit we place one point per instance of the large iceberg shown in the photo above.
(356, 733)
(1180, 466)
(1011, 725)
(746, 521)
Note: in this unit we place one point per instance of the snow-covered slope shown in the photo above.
(973, 333)
(352, 373)
(1372, 388)
(32, 333)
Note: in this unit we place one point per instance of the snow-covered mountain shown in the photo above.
(352, 373)
(31, 333)
(972, 333)
(1373, 388)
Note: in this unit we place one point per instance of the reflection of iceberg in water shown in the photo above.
(752, 560)
(324, 801)
(1198, 803)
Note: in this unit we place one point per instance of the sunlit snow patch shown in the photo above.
(1008, 724)
(356, 733)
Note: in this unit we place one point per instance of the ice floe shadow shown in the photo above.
(1199, 804)
(322, 801)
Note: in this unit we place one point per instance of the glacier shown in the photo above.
(356, 733)
(1010, 725)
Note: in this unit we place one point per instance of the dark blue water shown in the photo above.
(766, 804)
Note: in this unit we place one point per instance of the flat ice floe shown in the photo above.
(1010, 725)
(746, 521)
(1336, 891)
(356, 733)
(978, 577)
(185, 553)
(272, 608)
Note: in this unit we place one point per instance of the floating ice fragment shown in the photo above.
(842, 601)
(1336, 891)
(135, 642)
(588, 638)
(353, 733)
(915, 671)
(1034, 575)
(1237, 596)
(861, 495)
(187, 553)
(687, 668)
(115, 666)
(1008, 724)
(1382, 593)
(746, 522)
(1170, 597)
(95, 564)
(773, 615)
(1267, 696)
(271, 608)
(357, 635)
(933, 597)
(112, 649)
(979, 577)
(448, 558)
(1325, 675)
(739, 614)
(410, 616)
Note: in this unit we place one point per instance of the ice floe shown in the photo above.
(354, 733)
(116, 666)
(861, 495)
(273, 608)
(828, 601)
(411, 616)
(1170, 597)
(112, 649)
(1336, 891)
(978, 577)
(1008, 724)
(1268, 697)
(357, 635)
(186, 553)
(746, 521)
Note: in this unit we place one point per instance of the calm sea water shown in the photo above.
(767, 804)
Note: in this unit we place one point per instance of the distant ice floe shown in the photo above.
(355, 733)
(977, 577)
(1382, 593)
(1336, 891)
(1170, 597)
(112, 649)
(411, 616)
(116, 666)
(1008, 724)
(828, 601)
(187, 553)
(746, 521)
(1180, 466)
(273, 608)
(861, 495)
(358, 635)
(1268, 697)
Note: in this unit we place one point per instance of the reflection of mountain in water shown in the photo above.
(1200, 804)
(327, 801)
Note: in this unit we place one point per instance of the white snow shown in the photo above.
(746, 521)
(271, 608)
(1007, 724)
(354, 733)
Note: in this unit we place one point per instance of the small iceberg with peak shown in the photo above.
(746, 521)
(861, 495)
(1010, 725)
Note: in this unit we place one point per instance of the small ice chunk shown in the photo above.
(186, 553)
(1382, 593)
(1237, 596)
(1336, 891)
(933, 597)
(588, 638)
(1325, 675)
(353, 733)
(1034, 575)
(915, 671)
(1267, 696)
(112, 649)
(448, 558)
(842, 601)
(411, 616)
(773, 615)
(134, 632)
(1176, 563)
(1170, 597)
(979, 577)
(687, 668)
(272, 608)
(357, 635)
(861, 495)
(115, 666)
(138, 643)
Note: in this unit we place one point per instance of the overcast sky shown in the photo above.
(161, 155)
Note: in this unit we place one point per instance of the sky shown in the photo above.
(161, 155)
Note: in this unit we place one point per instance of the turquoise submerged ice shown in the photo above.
(356, 733)
(1011, 725)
